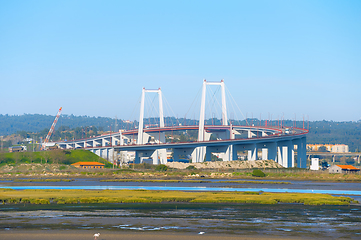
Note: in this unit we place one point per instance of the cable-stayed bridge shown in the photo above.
(287, 146)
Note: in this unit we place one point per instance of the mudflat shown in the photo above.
(112, 235)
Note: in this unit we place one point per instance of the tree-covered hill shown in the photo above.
(10, 124)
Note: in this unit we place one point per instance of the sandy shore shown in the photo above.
(111, 235)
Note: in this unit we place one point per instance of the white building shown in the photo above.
(315, 166)
(339, 148)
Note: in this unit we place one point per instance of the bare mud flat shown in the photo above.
(242, 221)
(110, 235)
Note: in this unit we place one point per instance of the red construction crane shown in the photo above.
(51, 129)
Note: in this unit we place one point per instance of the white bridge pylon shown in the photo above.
(203, 107)
(160, 154)
(200, 152)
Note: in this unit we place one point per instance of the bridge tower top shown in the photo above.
(203, 106)
(141, 115)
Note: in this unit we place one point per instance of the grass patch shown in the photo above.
(8, 196)
(192, 181)
(256, 182)
(58, 156)
(155, 180)
(43, 180)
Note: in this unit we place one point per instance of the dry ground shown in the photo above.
(230, 164)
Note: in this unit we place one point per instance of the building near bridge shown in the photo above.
(88, 165)
(340, 148)
(334, 148)
(18, 149)
(343, 169)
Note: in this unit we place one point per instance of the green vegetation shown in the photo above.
(300, 174)
(155, 180)
(191, 167)
(43, 180)
(8, 196)
(161, 168)
(256, 182)
(190, 181)
(258, 173)
(56, 156)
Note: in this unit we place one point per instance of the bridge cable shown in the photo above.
(192, 105)
(168, 105)
(228, 92)
(131, 116)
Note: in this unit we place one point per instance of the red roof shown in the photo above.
(347, 167)
(88, 163)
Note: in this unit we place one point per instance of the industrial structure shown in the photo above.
(51, 130)
(287, 146)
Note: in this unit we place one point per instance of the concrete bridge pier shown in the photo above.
(250, 148)
(160, 156)
(163, 156)
(155, 157)
(286, 154)
(97, 152)
(272, 151)
(269, 151)
(140, 154)
(302, 154)
(253, 153)
(198, 154)
(104, 153)
(226, 152)
(264, 153)
(177, 152)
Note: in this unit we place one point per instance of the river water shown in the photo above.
(334, 188)
(283, 220)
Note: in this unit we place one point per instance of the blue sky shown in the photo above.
(93, 58)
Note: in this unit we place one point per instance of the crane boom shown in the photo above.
(51, 129)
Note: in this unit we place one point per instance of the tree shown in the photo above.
(258, 173)
(322, 149)
(161, 168)
(350, 161)
(324, 164)
(191, 167)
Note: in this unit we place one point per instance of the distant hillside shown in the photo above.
(37, 122)
(336, 132)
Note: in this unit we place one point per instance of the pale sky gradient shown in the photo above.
(94, 57)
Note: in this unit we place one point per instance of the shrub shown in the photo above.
(251, 193)
(40, 201)
(258, 173)
(62, 168)
(25, 200)
(191, 167)
(161, 168)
